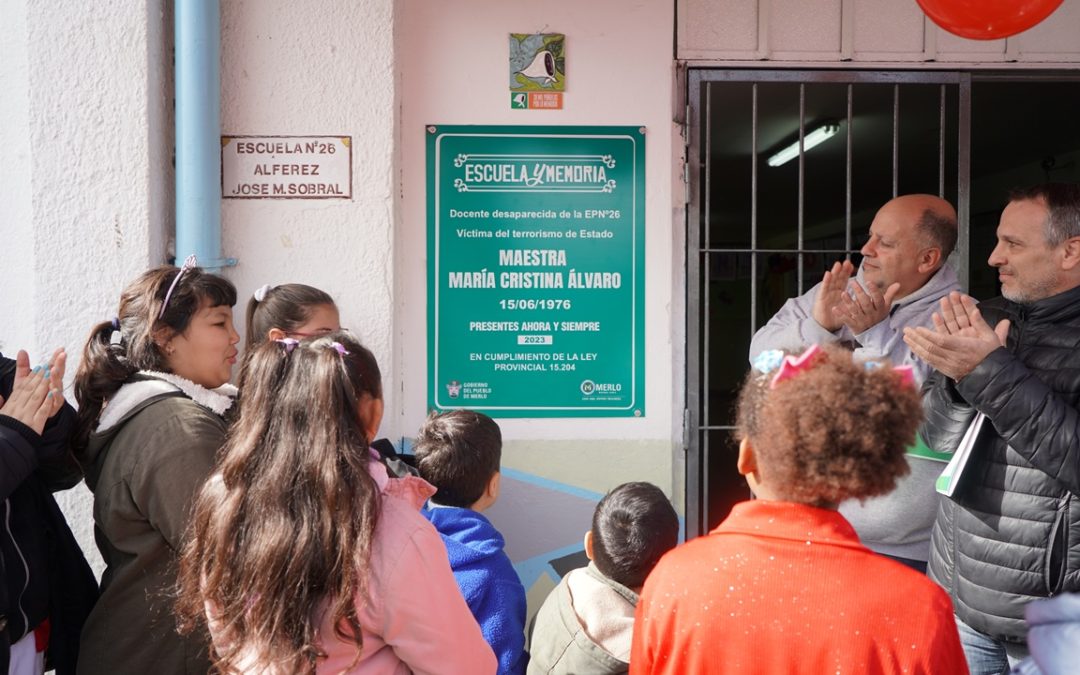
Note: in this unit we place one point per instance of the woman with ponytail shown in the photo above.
(153, 392)
(303, 556)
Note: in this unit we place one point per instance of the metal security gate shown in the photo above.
(786, 171)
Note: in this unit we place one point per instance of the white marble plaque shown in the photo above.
(286, 167)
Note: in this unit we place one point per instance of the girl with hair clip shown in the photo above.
(783, 585)
(300, 311)
(303, 556)
(289, 310)
(153, 392)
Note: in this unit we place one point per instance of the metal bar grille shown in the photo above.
(941, 140)
(801, 283)
(706, 242)
(708, 268)
(963, 192)
(753, 201)
(693, 455)
(847, 162)
(896, 141)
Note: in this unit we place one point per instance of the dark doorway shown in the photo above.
(759, 234)
(1024, 131)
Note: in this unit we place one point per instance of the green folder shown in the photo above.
(921, 449)
(950, 476)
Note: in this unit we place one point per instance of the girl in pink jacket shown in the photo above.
(303, 557)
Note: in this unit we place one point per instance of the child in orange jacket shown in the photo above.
(783, 585)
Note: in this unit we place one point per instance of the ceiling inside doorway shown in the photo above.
(1021, 132)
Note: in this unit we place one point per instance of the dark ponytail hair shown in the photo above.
(286, 307)
(106, 365)
(287, 524)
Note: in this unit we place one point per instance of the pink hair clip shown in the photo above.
(907, 375)
(339, 348)
(793, 365)
(288, 343)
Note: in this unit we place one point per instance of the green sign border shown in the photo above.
(636, 134)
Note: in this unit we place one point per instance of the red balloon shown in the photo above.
(987, 19)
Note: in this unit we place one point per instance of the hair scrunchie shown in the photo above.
(261, 291)
(115, 336)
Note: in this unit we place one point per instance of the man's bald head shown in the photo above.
(933, 217)
(910, 238)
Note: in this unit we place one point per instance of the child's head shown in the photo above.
(294, 495)
(633, 526)
(459, 453)
(321, 384)
(290, 310)
(170, 319)
(828, 429)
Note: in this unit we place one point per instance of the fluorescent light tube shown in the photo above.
(812, 139)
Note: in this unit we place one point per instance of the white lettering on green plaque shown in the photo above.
(536, 270)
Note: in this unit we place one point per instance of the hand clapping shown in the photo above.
(961, 338)
(842, 301)
(37, 393)
(860, 309)
(833, 289)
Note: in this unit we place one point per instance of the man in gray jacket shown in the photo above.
(1010, 532)
(902, 277)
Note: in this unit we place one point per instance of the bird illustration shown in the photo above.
(541, 68)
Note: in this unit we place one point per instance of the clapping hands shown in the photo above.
(861, 309)
(842, 301)
(961, 338)
(38, 393)
(831, 293)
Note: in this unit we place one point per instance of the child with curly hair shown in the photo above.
(783, 584)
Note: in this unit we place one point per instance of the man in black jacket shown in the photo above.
(1010, 533)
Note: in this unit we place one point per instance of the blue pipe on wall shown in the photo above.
(198, 132)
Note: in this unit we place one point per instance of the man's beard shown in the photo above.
(1030, 292)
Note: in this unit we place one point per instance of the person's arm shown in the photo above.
(26, 404)
(503, 625)
(58, 469)
(940, 647)
(645, 639)
(18, 456)
(880, 331)
(959, 341)
(792, 328)
(425, 619)
(1031, 417)
(179, 456)
(946, 414)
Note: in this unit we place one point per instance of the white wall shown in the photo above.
(326, 68)
(84, 178)
(17, 300)
(453, 60)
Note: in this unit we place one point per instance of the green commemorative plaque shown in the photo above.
(536, 270)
